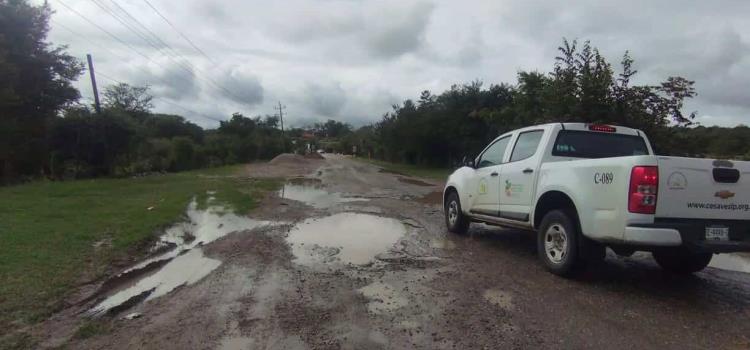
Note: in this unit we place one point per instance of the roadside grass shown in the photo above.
(411, 170)
(54, 235)
(92, 328)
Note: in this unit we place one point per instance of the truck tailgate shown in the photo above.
(698, 188)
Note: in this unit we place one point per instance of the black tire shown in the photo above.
(563, 259)
(682, 261)
(460, 224)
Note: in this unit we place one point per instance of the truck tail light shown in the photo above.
(644, 187)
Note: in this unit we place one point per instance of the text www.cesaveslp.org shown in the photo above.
(719, 206)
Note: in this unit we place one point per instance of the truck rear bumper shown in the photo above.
(652, 236)
(690, 233)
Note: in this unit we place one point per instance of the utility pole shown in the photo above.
(281, 108)
(93, 84)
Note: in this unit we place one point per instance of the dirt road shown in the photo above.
(355, 258)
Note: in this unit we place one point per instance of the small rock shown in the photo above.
(132, 316)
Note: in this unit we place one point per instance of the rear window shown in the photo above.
(585, 144)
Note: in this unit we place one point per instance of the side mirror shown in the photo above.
(469, 162)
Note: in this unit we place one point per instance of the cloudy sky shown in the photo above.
(350, 60)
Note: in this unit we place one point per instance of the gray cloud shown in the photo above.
(400, 31)
(176, 82)
(244, 88)
(351, 60)
(325, 100)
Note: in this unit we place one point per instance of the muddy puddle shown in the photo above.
(731, 262)
(312, 193)
(349, 238)
(181, 261)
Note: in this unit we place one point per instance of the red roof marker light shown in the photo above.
(602, 128)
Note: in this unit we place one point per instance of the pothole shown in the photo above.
(349, 238)
(312, 193)
(181, 262)
(185, 269)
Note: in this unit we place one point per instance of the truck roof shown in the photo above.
(617, 129)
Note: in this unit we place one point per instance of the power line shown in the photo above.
(190, 110)
(154, 44)
(120, 57)
(199, 114)
(140, 34)
(179, 32)
(109, 78)
(58, 24)
(176, 61)
(103, 30)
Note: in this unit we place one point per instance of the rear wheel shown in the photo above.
(557, 243)
(455, 219)
(681, 260)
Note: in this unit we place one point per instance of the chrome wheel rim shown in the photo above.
(556, 243)
(452, 213)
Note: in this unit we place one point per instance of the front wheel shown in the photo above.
(682, 261)
(557, 243)
(455, 219)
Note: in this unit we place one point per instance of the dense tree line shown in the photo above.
(582, 87)
(126, 138)
(45, 131)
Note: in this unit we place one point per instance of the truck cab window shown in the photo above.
(586, 144)
(526, 145)
(493, 155)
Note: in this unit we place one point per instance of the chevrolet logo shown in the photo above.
(724, 194)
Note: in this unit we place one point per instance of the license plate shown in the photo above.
(714, 233)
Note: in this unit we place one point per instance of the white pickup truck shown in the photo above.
(584, 187)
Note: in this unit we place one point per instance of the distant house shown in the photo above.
(308, 135)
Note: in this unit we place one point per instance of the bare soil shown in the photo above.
(429, 290)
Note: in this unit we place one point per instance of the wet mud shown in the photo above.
(349, 256)
(180, 262)
(413, 181)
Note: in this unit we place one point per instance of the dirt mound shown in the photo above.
(314, 155)
(287, 158)
(285, 165)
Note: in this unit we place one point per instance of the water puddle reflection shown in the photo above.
(350, 238)
(181, 263)
(312, 193)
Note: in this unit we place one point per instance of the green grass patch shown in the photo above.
(411, 170)
(54, 233)
(91, 328)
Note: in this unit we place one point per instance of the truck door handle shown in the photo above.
(494, 174)
(528, 171)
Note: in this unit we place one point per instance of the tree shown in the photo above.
(582, 87)
(36, 85)
(132, 99)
